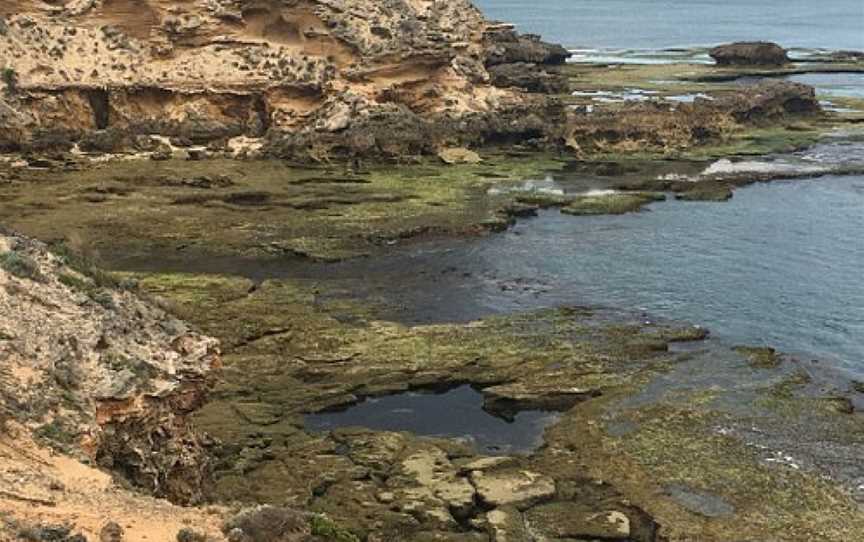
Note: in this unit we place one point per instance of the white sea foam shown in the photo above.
(597, 193)
(540, 186)
(726, 167)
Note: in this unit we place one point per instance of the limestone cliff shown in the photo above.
(94, 371)
(316, 77)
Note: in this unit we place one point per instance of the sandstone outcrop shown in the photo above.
(655, 125)
(209, 70)
(524, 61)
(749, 53)
(93, 370)
(770, 100)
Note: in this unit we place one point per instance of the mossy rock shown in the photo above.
(706, 192)
(760, 357)
(616, 203)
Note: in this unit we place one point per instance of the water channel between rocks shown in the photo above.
(780, 265)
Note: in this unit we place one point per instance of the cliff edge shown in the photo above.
(312, 78)
(95, 372)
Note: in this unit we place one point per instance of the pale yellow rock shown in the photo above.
(518, 488)
(620, 521)
(433, 470)
(486, 463)
(507, 525)
(459, 155)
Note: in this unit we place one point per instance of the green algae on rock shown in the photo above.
(761, 357)
(614, 203)
(320, 214)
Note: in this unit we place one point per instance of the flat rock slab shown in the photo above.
(519, 488)
(507, 525)
(569, 520)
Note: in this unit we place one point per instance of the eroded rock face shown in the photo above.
(215, 69)
(749, 53)
(661, 126)
(771, 99)
(525, 61)
(507, 47)
(94, 370)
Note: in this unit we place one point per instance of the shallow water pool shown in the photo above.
(456, 413)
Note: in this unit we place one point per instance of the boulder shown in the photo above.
(529, 77)
(749, 53)
(506, 46)
(266, 523)
(770, 99)
(111, 375)
(459, 155)
(506, 524)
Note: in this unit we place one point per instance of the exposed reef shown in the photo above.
(240, 165)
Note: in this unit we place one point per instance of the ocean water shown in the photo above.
(660, 24)
(781, 264)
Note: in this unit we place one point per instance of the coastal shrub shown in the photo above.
(265, 523)
(7, 386)
(85, 265)
(20, 266)
(10, 78)
(49, 533)
(57, 432)
(324, 527)
(74, 282)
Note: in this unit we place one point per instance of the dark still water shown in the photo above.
(780, 264)
(657, 24)
(456, 413)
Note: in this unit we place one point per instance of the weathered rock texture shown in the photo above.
(749, 53)
(325, 74)
(93, 370)
(667, 127)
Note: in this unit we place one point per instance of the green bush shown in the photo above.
(324, 527)
(10, 78)
(20, 266)
(86, 266)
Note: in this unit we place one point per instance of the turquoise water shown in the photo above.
(658, 24)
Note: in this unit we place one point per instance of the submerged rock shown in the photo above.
(749, 53)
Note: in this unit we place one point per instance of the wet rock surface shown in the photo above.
(660, 434)
(641, 445)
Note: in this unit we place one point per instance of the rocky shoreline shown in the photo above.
(210, 155)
